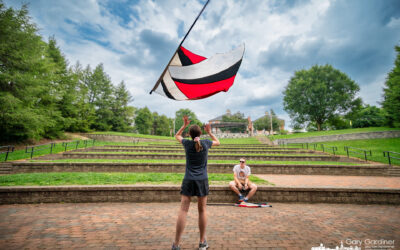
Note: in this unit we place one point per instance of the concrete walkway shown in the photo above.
(152, 226)
(332, 181)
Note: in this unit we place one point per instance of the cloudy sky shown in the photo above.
(135, 39)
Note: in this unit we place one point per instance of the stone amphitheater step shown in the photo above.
(219, 147)
(222, 145)
(170, 193)
(394, 171)
(354, 170)
(233, 151)
(5, 168)
(261, 157)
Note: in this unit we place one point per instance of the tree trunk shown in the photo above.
(319, 126)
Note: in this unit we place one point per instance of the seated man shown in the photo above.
(241, 174)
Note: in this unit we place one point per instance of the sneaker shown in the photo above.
(241, 197)
(175, 247)
(203, 246)
(246, 199)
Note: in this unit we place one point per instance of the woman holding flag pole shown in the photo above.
(195, 182)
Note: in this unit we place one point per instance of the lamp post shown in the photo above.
(270, 118)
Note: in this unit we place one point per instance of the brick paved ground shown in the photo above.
(332, 181)
(151, 226)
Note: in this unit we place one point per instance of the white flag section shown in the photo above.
(192, 77)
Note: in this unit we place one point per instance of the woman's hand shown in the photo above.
(208, 128)
(186, 120)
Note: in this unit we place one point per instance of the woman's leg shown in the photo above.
(181, 222)
(202, 205)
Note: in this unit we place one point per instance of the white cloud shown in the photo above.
(88, 31)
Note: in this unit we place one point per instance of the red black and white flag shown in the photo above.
(192, 77)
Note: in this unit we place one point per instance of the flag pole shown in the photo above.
(165, 70)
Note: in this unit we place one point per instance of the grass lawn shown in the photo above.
(332, 132)
(182, 153)
(158, 137)
(250, 140)
(377, 146)
(73, 178)
(20, 154)
(209, 162)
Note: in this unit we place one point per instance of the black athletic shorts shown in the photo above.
(195, 187)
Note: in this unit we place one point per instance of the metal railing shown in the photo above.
(33, 149)
(66, 144)
(391, 157)
(315, 145)
(9, 148)
(296, 144)
(86, 142)
(360, 151)
(326, 147)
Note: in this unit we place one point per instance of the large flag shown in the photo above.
(191, 77)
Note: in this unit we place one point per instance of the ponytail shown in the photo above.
(198, 145)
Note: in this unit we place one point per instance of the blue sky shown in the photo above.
(135, 39)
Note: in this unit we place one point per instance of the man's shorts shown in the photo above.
(195, 187)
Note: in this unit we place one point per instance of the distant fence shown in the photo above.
(51, 147)
(342, 137)
(387, 154)
(6, 150)
(390, 155)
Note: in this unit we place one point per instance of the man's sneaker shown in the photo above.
(203, 246)
(241, 197)
(246, 199)
(175, 247)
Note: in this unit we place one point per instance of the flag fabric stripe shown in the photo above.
(199, 91)
(172, 89)
(211, 66)
(184, 58)
(165, 89)
(192, 77)
(228, 73)
(194, 58)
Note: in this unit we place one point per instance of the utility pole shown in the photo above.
(174, 126)
(270, 117)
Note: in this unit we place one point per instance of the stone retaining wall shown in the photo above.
(38, 167)
(342, 137)
(69, 155)
(218, 194)
(181, 150)
(121, 138)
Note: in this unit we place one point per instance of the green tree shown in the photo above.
(122, 112)
(27, 107)
(192, 117)
(101, 96)
(161, 125)
(318, 94)
(144, 121)
(237, 117)
(75, 104)
(264, 123)
(391, 95)
(369, 116)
